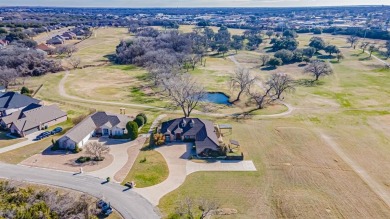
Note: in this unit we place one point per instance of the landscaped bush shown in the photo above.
(132, 129)
(56, 145)
(139, 120)
(159, 139)
(77, 149)
(144, 116)
(78, 119)
(83, 159)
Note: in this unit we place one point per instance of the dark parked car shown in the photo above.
(107, 212)
(100, 203)
(43, 135)
(56, 130)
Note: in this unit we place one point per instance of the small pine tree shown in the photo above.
(144, 116)
(132, 129)
(25, 90)
(139, 120)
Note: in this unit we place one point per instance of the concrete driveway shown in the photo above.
(30, 139)
(176, 156)
(121, 155)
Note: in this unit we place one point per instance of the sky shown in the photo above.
(190, 3)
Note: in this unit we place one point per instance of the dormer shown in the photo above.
(183, 123)
(192, 123)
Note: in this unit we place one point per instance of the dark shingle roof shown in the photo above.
(37, 116)
(18, 114)
(11, 100)
(94, 121)
(203, 130)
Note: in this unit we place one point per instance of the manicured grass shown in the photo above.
(149, 169)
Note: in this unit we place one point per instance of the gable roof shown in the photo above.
(203, 130)
(18, 114)
(95, 121)
(13, 100)
(37, 116)
(45, 47)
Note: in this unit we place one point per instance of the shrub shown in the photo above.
(143, 160)
(83, 159)
(139, 120)
(159, 139)
(25, 90)
(78, 119)
(144, 116)
(55, 145)
(77, 149)
(132, 129)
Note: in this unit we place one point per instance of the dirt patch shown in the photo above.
(65, 161)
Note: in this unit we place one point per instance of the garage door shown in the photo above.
(31, 131)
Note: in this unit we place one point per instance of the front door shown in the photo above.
(178, 137)
(105, 132)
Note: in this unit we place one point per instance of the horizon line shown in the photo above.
(207, 7)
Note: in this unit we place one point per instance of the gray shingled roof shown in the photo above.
(203, 130)
(94, 121)
(37, 116)
(10, 100)
(18, 114)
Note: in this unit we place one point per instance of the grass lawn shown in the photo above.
(149, 169)
(6, 141)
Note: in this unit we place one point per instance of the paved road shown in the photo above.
(29, 140)
(128, 203)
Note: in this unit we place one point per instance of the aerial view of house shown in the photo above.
(12, 101)
(98, 124)
(36, 118)
(200, 131)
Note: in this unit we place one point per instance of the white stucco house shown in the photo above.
(97, 124)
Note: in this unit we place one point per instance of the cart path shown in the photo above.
(374, 185)
(62, 92)
(290, 108)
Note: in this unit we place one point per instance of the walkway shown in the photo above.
(176, 156)
(30, 140)
(128, 203)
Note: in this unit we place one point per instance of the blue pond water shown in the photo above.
(218, 98)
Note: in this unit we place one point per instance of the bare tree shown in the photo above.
(8, 75)
(207, 207)
(340, 56)
(185, 208)
(364, 46)
(353, 40)
(193, 60)
(96, 149)
(262, 98)
(184, 92)
(241, 80)
(372, 49)
(66, 50)
(74, 62)
(281, 83)
(264, 59)
(318, 68)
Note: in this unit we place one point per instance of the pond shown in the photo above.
(218, 98)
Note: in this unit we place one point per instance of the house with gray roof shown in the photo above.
(6, 121)
(98, 124)
(200, 131)
(37, 118)
(11, 102)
